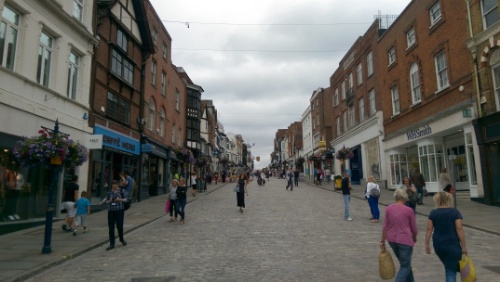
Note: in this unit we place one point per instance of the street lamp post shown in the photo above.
(54, 175)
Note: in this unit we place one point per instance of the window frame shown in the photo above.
(154, 67)
(177, 98)
(359, 74)
(163, 83)
(9, 60)
(416, 95)
(344, 120)
(369, 63)
(164, 50)
(391, 54)
(122, 66)
(43, 71)
(122, 40)
(396, 107)
(361, 109)
(491, 11)
(373, 105)
(78, 4)
(337, 121)
(441, 74)
(73, 66)
(161, 124)
(151, 114)
(336, 97)
(435, 13)
(119, 110)
(410, 37)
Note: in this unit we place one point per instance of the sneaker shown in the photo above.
(348, 219)
(74, 232)
(85, 230)
(110, 248)
(124, 242)
(64, 227)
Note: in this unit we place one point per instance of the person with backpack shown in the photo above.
(116, 213)
(411, 191)
(372, 195)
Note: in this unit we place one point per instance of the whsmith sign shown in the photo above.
(417, 133)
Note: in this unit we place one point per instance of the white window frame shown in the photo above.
(78, 10)
(11, 31)
(343, 90)
(395, 101)
(154, 36)
(337, 121)
(410, 37)
(172, 137)
(361, 106)
(373, 105)
(391, 54)
(492, 11)
(359, 74)
(352, 113)
(369, 63)
(122, 40)
(435, 13)
(177, 97)
(416, 96)
(72, 87)
(44, 50)
(344, 120)
(441, 70)
(151, 114)
(164, 51)
(336, 97)
(163, 83)
(153, 72)
(162, 122)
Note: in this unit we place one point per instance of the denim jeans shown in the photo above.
(420, 192)
(180, 205)
(373, 202)
(347, 201)
(403, 253)
(451, 275)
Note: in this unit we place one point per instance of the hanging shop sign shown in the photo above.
(117, 140)
(419, 132)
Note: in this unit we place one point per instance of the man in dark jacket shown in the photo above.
(418, 180)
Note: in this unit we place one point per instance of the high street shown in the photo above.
(282, 235)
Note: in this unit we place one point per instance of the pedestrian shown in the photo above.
(181, 199)
(216, 177)
(172, 207)
(372, 200)
(411, 191)
(82, 210)
(296, 174)
(319, 177)
(400, 230)
(126, 182)
(240, 195)
(328, 175)
(346, 194)
(70, 195)
(116, 213)
(289, 177)
(193, 183)
(448, 239)
(444, 180)
(418, 180)
(223, 175)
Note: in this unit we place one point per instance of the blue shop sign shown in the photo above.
(118, 141)
(155, 150)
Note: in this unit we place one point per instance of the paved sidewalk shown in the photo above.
(21, 252)
(21, 255)
(476, 215)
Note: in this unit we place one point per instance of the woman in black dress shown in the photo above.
(240, 195)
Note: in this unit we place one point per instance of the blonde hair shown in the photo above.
(371, 178)
(182, 181)
(443, 199)
(400, 195)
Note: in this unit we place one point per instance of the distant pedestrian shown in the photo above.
(328, 175)
(82, 210)
(448, 239)
(411, 191)
(173, 200)
(216, 177)
(444, 180)
(193, 183)
(346, 194)
(296, 174)
(240, 195)
(223, 175)
(319, 177)
(418, 180)
(181, 199)
(372, 200)
(70, 195)
(400, 230)
(289, 177)
(115, 199)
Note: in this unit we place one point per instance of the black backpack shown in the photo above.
(128, 203)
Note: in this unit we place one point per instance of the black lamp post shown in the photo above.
(54, 175)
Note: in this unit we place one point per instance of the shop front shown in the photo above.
(432, 148)
(155, 174)
(119, 153)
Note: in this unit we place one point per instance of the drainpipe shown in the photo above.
(474, 60)
(145, 57)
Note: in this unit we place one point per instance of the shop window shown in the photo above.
(399, 169)
(471, 159)
(9, 28)
(372, 157)
(460, 163)
(431, 161)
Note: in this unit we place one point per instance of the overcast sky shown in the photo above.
(260, 60)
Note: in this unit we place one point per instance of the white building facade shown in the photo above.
(307, 141)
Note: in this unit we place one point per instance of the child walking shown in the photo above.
(82, 209)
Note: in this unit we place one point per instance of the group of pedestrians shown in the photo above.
(177, 199)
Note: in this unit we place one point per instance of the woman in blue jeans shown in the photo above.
(181, 199)
(448, 237)
(400, 230)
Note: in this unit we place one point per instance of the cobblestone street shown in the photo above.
(282, 235)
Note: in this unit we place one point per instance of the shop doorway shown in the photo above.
(356, 166)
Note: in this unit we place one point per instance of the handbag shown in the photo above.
(167, 205)
(386, 267)
(236, 188)
(467, 270)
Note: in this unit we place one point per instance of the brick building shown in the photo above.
(322, 119)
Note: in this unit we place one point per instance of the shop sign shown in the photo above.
(155, 150)
(94, 141)
(417, 133)
(117, 140)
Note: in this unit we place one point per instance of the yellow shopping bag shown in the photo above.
(467, 270)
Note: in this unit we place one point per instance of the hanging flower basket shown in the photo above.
(344, 153)
(50, 149)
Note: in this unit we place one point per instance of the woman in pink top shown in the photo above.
(400, 230)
